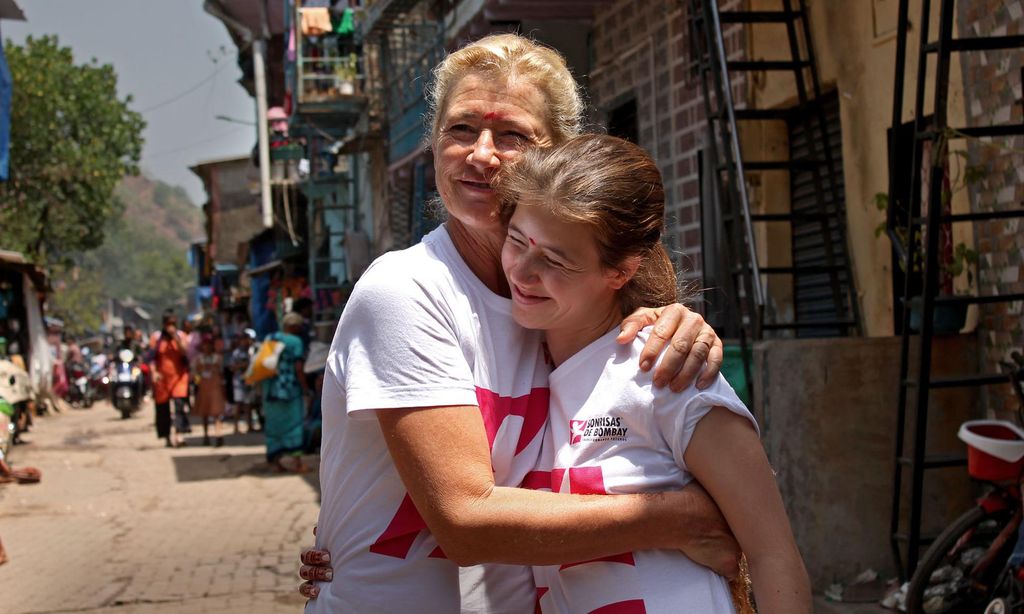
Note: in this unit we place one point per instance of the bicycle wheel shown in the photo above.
(942, 583)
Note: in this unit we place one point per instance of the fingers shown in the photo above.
(635, 322)
(716, 356)
(312, 556)
(728, 565)
(309, 590)
(682, 332)
(700, 350)
(661, 334)
(315, 573)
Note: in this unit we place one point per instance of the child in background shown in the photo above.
(243, 395)
(206, 369)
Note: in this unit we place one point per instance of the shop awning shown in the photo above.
(18, 262)
(9, 9)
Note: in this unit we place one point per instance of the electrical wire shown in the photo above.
(191, 145)
(181, 95)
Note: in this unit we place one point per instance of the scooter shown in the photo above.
(79, 393)
(126, 383)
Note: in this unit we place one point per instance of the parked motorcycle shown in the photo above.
(15, 393)
(126, 383)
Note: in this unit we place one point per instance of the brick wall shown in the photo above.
(993, 96)
(642, 49)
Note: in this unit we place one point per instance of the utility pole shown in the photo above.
(259, 75)
(257, 41)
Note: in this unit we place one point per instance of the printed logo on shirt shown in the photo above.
(600, 428)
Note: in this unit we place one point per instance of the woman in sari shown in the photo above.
(284, 399)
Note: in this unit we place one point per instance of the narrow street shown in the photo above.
(120, 523)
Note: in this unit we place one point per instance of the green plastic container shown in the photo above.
(734, 373)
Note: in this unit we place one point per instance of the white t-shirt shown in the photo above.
(421, 330)
(612, 432)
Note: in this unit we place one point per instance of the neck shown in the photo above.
(563, 343)
(481, 252)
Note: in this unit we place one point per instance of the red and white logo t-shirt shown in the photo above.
(420, 330)
(612, 432)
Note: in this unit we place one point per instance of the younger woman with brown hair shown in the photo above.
(583, 249)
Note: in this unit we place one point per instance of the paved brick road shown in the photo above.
(122, 524)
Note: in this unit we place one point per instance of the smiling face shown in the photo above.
(484, 124)
(559, 283)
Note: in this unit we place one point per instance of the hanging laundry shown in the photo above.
(346, 26)
(315, 21)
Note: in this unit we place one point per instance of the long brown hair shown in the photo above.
(614, 187)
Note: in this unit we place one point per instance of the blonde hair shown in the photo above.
(512, 57)
(615, 188)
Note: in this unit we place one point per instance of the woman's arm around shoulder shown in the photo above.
(689, 344)
(443, 458)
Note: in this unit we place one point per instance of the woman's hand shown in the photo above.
(316, 567)
(691, 341)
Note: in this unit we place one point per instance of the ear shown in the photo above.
(617, 278)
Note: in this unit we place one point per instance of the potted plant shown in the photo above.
(954, 259)
(345, 73)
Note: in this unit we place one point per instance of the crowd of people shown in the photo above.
(196, 376)
(199, 376)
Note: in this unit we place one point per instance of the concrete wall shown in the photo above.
(827, 408)
(233, 210)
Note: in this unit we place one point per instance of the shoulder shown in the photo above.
(409, 283)
(293, 342)
(604, 368)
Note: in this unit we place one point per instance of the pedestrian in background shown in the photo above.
(304, 307)
(243, 395)
(284, 398)
(207, 369)
(170, 380)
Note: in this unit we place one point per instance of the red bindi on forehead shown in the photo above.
(492, 115)
(532, 242)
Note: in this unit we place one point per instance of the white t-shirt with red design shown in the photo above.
(612, 432)
(421, 330)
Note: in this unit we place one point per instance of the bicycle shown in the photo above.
(977, 563)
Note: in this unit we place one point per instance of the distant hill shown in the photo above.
(144, 254)
(164, 210)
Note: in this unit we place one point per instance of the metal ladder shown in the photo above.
(331, 216)
(936, 131)
(834, 278)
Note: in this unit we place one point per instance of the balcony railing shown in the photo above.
(411, 52)
(329, 79)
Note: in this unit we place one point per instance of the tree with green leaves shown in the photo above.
(72, 140)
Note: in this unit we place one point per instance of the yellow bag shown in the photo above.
(264, 364)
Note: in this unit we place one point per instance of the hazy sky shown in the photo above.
(160, 49)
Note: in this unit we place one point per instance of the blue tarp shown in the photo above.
(6, 88)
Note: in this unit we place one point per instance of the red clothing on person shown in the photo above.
(172, 367)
